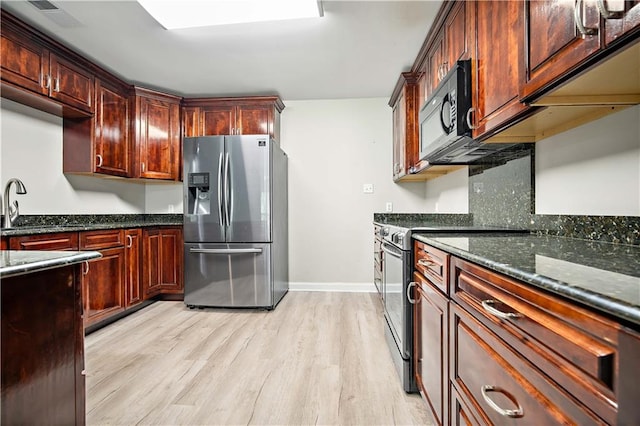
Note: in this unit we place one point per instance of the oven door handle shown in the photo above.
(392, 253)
(411, 284)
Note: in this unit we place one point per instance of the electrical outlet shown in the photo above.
(367, 188)
(389, 207)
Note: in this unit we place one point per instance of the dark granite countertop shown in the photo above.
(32, 225)
(24, 262)
(600, 275)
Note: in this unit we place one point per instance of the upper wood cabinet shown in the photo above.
(112, 142)
(156, 130)
(497, 64)
(405, 124)
(554, 44)
(102, 143)
(232, 116)
(621, 19)
(28, 65)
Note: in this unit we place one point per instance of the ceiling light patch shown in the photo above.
(193, 13)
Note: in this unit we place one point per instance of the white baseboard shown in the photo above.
(333, 287)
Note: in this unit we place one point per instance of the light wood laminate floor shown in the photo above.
(318, 358)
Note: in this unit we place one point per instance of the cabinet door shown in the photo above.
(456, 31)
(218, 120)
(103, 286)
(254, 120)
(625, 19)
(133, 253)
(71, 84)
(159, 141)
(430, 351)
(498, 64)
(112, 132)
(191, 122)
(435, 64)
(162, 261)
(399, 137)
(24, 63)
(554, 44)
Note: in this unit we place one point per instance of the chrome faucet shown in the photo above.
(11, 212)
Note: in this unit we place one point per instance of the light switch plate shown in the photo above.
(389, 207)
(367, 188)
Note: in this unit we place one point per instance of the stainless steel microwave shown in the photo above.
(445, 128)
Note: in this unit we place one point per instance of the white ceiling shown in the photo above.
(358, 49)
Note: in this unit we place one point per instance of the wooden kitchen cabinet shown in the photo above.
(63, 241)
(29, 65)
(42, 347)
(497, 67)
(431, 347)
(498, 385)
(156, 133)
(112, 148)
(133, 255)
(621, 19)
(554, 45)
(232, 116)
(103, 281)
(162, 261)
(575, 351)
(405, 124)
(100, 144)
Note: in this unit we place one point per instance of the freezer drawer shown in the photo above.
(228, 275)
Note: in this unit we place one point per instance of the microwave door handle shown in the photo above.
(443, 104)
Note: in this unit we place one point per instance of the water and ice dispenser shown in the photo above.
(198, 196)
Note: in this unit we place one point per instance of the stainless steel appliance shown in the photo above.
(235, 221)
(397, 267)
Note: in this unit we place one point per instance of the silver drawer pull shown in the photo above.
(518, 412)
(577, 15)
(426, 263)
(487, 305)
(411, 284)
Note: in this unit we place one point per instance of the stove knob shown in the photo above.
(384, 232)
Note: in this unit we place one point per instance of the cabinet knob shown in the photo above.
(469, 122)
(411, 284)
(85, 268)
(47, 81)
(99, 157)
(56, 82)
(129, 241)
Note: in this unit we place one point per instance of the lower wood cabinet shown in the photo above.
(42, 348)
(162, 261)
(494, 350)
(133, 254)
(431, 347)
(135, 265)
(103, 286)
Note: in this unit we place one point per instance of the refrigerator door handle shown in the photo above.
(225, 251)
(220, 185)
(228, 190)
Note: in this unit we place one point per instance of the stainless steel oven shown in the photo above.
(398, 313)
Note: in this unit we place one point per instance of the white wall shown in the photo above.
(31, 150)
(448, 193)
(334, 147)
(593, 169)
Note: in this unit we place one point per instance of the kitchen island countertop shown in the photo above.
(600, 275)
(18, 262)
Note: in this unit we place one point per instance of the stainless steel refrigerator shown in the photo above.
(235, 222)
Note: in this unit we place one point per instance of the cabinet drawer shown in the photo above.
(433, 264)
(499, 386)
(62, 241)
(95, 240)
(575, 347)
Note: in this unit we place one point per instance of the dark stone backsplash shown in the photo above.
(420, 219)
(612, 229)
